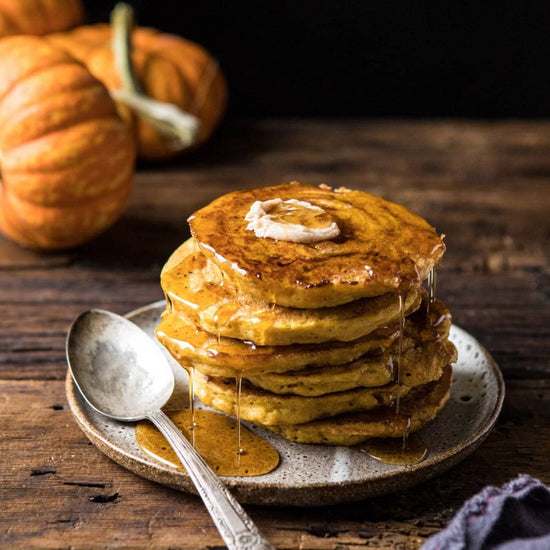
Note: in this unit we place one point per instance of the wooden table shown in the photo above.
(485, 185)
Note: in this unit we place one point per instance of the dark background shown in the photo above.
(363, 58)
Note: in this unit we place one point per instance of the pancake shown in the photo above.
(417, 365)
(269, 409)
(416, 411)
(382, 247)
(367, 371)
(219, 356)
(196, 287)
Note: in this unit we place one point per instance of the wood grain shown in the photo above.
(485, 185)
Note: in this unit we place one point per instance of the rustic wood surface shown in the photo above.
(485, 185)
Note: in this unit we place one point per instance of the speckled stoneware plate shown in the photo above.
(313, 474)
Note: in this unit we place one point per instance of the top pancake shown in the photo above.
(382, 247)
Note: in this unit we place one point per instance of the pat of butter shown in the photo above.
(291, 220)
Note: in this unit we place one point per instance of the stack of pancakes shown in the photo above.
(333, 341)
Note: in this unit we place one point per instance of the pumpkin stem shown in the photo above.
(177, 125)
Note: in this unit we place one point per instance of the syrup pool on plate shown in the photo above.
(405, 451)
(216, 440)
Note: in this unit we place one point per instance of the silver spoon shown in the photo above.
(124, 375)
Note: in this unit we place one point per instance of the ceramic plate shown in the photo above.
(314, 474)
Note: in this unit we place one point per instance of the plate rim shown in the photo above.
(319, 493)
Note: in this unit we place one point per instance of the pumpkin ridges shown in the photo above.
(160, 79)
(210, 101)
(29, 15)
(15, 15)
(42, 84)
(59, 227)
(47, 152)
(76, 182)
(40, 119)
(192, 59)
(23, 55)
(199, 68)
(67, 42)
(39, 17)
(101, 65)
(47, 97)
(81, 41)
(14, 82)
(54, 183)
(7, 25)
(73, 14)
(183, 51)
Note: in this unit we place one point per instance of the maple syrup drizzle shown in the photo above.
(191, 388)
(432, 286)
(400, 349)
(406, 433)
(240, 450)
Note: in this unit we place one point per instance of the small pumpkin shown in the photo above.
(168, 69)
(66, 157)
(39, 17)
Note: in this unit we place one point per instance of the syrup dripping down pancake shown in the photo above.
(196, 287)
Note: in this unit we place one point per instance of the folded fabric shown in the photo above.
(516, 516)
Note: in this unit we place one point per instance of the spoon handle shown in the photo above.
(235, 526)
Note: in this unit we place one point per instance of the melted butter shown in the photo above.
(298, 213)
(291, 220)
(216, 442)
(402, 452)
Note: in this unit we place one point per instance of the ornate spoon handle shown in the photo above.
(235, 526)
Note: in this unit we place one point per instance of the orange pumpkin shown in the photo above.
(66, 157)
(39, 16)
(168, 68)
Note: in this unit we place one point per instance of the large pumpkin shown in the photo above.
(67, 159)
(39, 16)
(169, 69)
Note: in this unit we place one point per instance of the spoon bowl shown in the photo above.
(123, 374)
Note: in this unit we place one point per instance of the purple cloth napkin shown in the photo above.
(514, 517)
